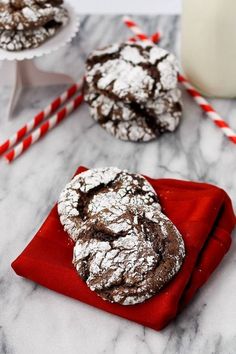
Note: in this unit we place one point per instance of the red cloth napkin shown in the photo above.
(203, 214)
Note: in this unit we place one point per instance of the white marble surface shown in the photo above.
(36, 320)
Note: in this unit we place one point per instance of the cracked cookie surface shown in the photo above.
(96, 190)
(132, 265)
(132, 90)
(26, 14)
(132, 122)
(126, 249)
(26, 24)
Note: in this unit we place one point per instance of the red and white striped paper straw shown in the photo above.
(208, 109)
(43, 129)
(199, 99)
(37, 120)
(155, 38)
(136, 29)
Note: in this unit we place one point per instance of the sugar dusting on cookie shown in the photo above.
(114, 201)
(26, 24)
(132, 90)
(126, 249)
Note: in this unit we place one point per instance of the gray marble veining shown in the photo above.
(36, 320)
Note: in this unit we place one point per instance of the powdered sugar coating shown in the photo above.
(126, 250)
(20, 37)
(29, 15)
(124, 79)
(132, 266)
(89, 193)
(132, 54)
(132, 72)
(126, 123)
(19, 40)
(132, 91)
(122, 259)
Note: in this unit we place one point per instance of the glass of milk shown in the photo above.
(208, 47)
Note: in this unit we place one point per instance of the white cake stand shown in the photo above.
(18, 69)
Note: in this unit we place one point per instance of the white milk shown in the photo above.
(209, 45)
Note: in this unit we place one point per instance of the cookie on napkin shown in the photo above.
(202, 213)
(126, 249)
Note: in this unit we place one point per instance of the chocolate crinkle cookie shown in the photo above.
(26, 24)
(132, 91)
(125, 249)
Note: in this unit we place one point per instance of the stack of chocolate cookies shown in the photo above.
(26, 24)
(125, 249)
(132, 92)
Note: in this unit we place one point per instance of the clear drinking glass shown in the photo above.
(208, 46)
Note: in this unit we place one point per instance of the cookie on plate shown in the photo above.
(20, 40)
(27, 14)
(26, 24)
